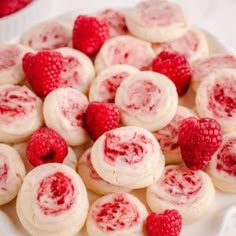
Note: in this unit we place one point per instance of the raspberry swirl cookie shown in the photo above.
(222, 167)
(47, 35)
(202, 68)
(129, 157)
(147, 99)
(168, 136)
(127, 50)
(103, 88)
(11, 63)
(20, 113)
(12, 173)
(64, 110)
(52, 201)
(91, 178)
(190, 192)
(193, 45)
(77, 70)
(156, 21)
(117, 214)
(115, 20)
(216, 98)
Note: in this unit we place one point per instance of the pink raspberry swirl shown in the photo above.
(118, 213)
(56, 194)
(179, 186)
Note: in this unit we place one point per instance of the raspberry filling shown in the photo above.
(160, 13)
(117, 214)
(129, 52)
(52, 35)
(56, 194)
(143, 97)
(226, 158)
(73, 109)
(3, 176)
(9, 56)
(180, 186)
(115, 20)
(126, 150)
(109, 86)
(168, 136)
(222, 98)
(70, 74)
(16, 102)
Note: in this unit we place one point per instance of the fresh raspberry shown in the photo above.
(46, 146)
(101, 117)
(9, 6)
(167, 224)
(89, 34)
(43, 71)
(198, 141)
(176, 67)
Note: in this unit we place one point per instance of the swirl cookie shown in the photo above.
(103, 88)
(64, 109)
(12, 173)
(202, 68)
(77, 70)
(20, 113)
(168, 136)
(126, 50)
(156, 21)
(116, 214)
(47, 35)
(216, 98)
(52, 201)
(193, 45)
(91, 178)
(147, 99)
(11, 63)
(222, 167)
(190, 192)
(129, 157)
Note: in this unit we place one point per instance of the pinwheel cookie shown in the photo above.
(52, 201)
(11, 63)
(103, 88)
(222, 167)
(64, 109)
(127, 50)
(91, 178)
(147, 99)
(216, 98)
(129, 157)
(12, 173)
(20, 113)
(190, 192)
(77, 70)
(47, 35)
(116, 214)
(156, 21)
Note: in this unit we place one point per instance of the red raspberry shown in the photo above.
(198, 141)
(101, 117)
(46, 146)
(167, 224)
(176, 67)
(9, 6)
(89, 34)
(43, 71)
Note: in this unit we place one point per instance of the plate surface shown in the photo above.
(220, 220)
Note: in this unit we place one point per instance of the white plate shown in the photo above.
(220, 220)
